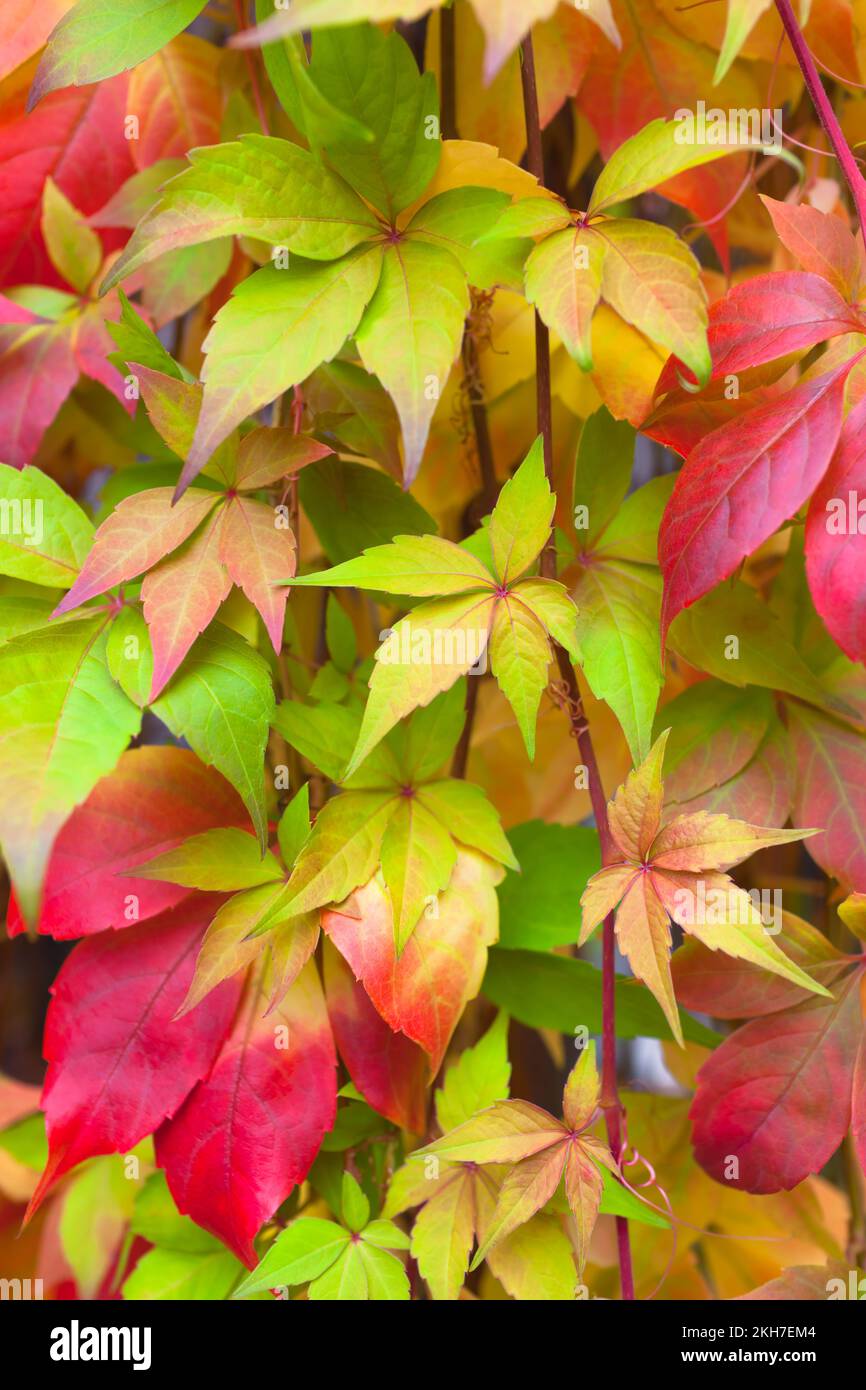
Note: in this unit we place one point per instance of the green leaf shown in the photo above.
(25, 1141)
(63, 726)
(456, 220)
(529, 217)
(351, 408)
(761, 654)
(293, 830)
(341, 853)
(259, 187)
(432, 734)
(558, 992)
(563, 281)
(315, 116)
(222, 702)
(421, 304)
(137, 342)
(137, 195)
(385, 1234)
(549, 602)
(278, 326)
(217, 861)
(468, 815)
(421, 566)
(183, 1276)
(616, 1200)
(418, 857)
(352, 507)
(303, 1251)
(99, 38)
(618, 607)
(45, 537)
(374, 78)
(340, 636)
(325, 734)
(478, 1078)
(157, 1219)
(425, 654)
(519, 658)
(354, 1207)
(345, 1281)
(658, 152)
(387, 1280)
(521, 519)
(74, 248)
(539, 907)
(99, 1196)
(651, 278)
(602, 474)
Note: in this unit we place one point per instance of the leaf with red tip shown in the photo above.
(154, 800)
(528, 1187)
(741, 483)
(388, 1069)
(268, 454)
(140, 531)
(836, 540)
(423, 992)
(776, 1095)
(118, 1062)
(635, 809)
(821, 242)
(258, 552)
(181, 596)
(248, 1134)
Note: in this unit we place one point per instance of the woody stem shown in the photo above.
(610, 1100)
(823, 106)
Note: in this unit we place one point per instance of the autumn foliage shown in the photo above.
(432, 640)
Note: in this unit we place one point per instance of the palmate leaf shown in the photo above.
(426, 652)
(244, 189)
(672, 872)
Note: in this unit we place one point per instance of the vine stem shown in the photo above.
(824, 108)
(610, 1100)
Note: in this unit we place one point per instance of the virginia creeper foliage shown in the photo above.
(432, 641)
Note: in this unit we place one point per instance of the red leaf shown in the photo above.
(836, 540)
(777, 1094)
(154, 800)
(767, 318)
(249, 1133)
(37, 372)
(77, 137)
(119, 1062)
(741, 482)
(830, 791)
(388, 1069)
